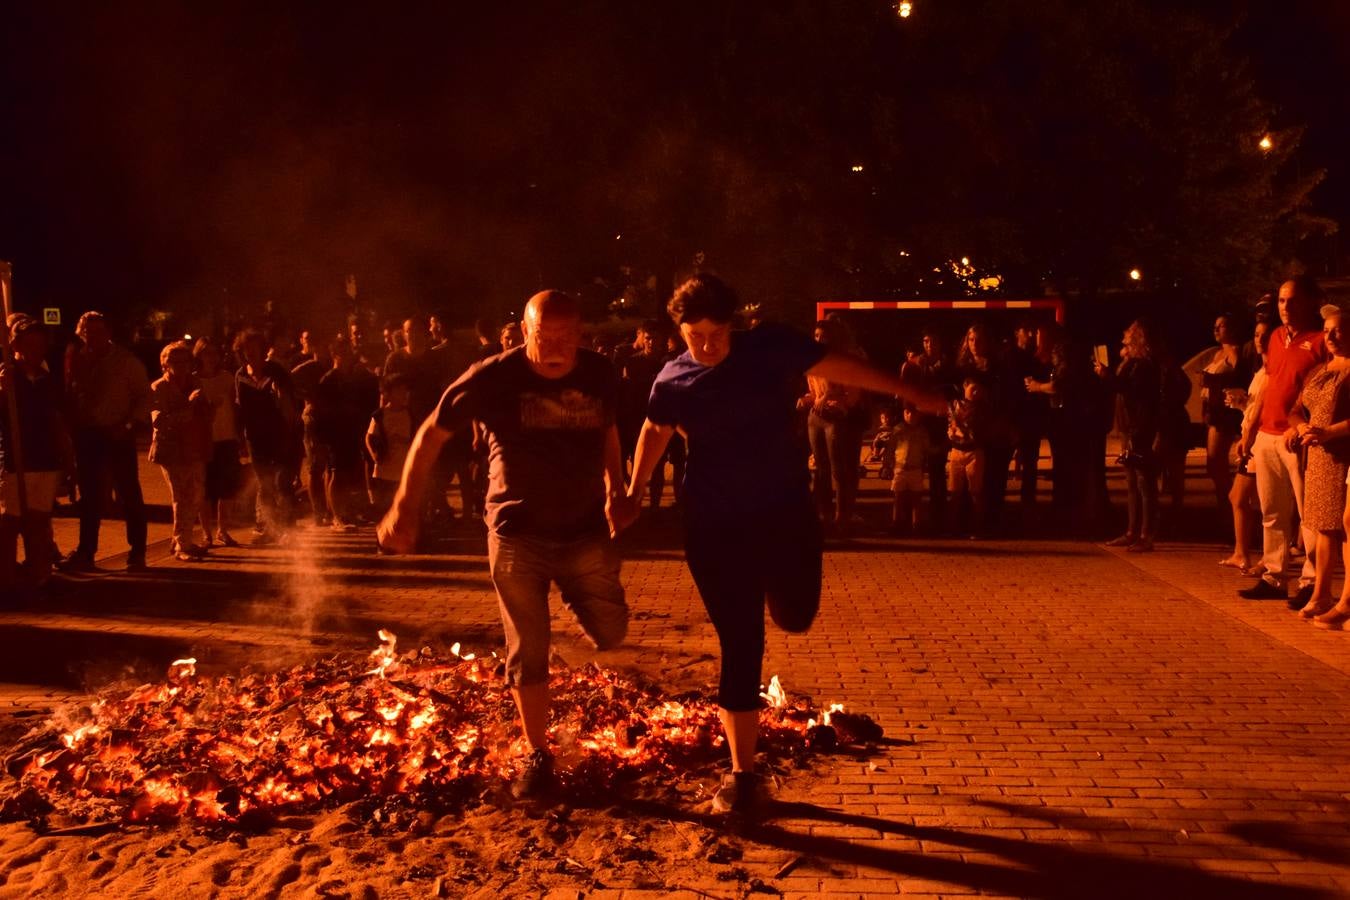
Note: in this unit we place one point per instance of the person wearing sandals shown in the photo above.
(1242, 494)
(224, 472)
(180, 417)
(1138, 383)
(1228, 369)
(1320, 422)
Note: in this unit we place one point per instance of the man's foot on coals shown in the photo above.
(741, 793)
(536, 779)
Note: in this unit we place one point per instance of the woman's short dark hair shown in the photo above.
(703, 297)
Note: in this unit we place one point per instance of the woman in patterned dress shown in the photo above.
(1320, 422)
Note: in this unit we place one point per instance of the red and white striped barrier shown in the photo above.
(1054, 303)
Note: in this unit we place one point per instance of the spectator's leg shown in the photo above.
(937, 489)
(1293, 467)
(1134, 502)
(1218, 444)
(977, 475)
(127, 483)
(175, 507)
(1029, 460)
(92, 478)
(1275, 493)
(1148, 506)
(817, 432)
(10, 528)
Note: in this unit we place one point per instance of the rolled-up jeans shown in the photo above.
(1279, 487)
(586, 570)
(187, 494)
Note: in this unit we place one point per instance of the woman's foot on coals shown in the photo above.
(1125, 540)
(1333, 619)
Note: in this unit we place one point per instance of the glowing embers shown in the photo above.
(426, 728)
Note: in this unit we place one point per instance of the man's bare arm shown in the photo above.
(849, 370)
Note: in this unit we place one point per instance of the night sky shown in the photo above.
(160, 154)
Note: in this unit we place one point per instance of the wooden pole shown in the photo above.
(15, 448)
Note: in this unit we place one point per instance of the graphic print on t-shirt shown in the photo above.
(571, 410)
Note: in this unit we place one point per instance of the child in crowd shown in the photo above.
(389, 438)
(966, 417)
(883, 451)
(908, 454)
(181, 419)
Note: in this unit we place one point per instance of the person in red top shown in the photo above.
(1296, 348)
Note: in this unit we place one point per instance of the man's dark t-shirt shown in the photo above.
(746, 458)
(546, 441)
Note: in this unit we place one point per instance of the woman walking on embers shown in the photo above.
(752, 535)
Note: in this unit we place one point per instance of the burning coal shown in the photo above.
(427, 729)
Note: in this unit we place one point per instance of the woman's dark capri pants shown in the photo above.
(740, 565)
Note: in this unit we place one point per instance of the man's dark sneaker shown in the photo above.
(77, 562)
(136, 563)
(1300, 598)
(741, 793)
(1264, 590)
(536, 776)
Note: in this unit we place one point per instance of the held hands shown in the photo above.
(1312, 436)
(397, 531)
(622, 511)
(1294, 436)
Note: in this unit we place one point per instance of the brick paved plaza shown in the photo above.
(1063, 720)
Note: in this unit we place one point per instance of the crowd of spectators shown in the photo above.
(313, 428)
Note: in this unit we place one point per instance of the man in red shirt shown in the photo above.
(1296, 348)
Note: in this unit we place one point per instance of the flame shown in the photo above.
(214, 749)
(384, 654)
(775, 696)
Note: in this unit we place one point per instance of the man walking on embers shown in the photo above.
(751, 532)
(548, 409)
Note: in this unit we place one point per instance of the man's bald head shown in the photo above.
(552, 327)
(552, 305)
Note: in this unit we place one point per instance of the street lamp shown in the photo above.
(857, 169)
(1135, 275)
(905, 8)
(1265, 143)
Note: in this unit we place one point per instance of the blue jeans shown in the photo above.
(587, 572)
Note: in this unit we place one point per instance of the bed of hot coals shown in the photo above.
(409, 731)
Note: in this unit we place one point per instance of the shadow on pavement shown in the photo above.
(1050, 871)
